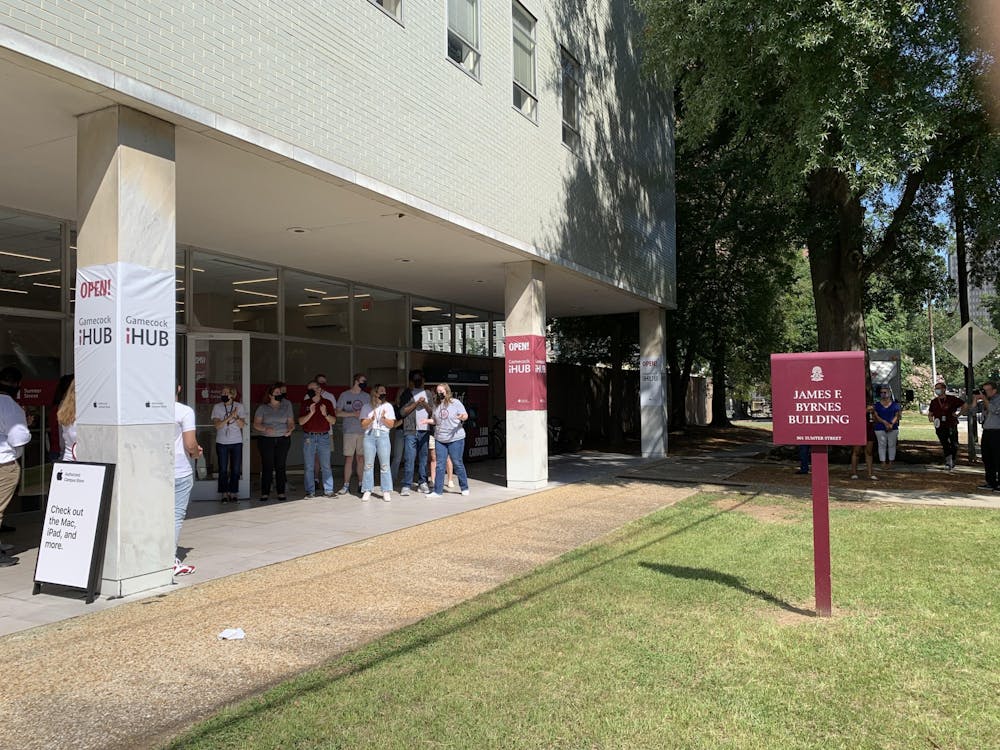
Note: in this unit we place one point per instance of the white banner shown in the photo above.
(124, 345)
(651, 382)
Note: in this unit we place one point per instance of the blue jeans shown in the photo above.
(182, 494)
(377, 444)
(442, 452)
(312, 445)
(415, 448)
(230, 466)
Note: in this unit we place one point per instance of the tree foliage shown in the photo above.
(865, 109)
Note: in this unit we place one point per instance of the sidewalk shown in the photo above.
(134, 675)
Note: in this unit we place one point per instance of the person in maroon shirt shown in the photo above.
(316, 417)
(943, 413)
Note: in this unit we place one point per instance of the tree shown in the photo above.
(865, 106)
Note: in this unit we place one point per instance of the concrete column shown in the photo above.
(126, 205)
(527, 431)
(652, 368)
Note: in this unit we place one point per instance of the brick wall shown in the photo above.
(344, 80)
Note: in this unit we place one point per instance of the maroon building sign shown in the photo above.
(819, 399)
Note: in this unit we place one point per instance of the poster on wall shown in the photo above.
(651, 382)
(124, 345)
(525, 370)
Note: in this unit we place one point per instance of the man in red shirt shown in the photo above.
(316, 417)
(943, 413)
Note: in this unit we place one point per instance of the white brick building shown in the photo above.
(330, 179)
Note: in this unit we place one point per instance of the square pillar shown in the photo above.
(126, 205)
(652, 368)
(524, 355)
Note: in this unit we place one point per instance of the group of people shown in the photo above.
(428, 420)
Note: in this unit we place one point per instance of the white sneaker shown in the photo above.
(423, 488)
(366, 497)
(387, 497)
(465, 493)
(451, 484)
(432, 495)
(405, 492)
(873, 478)
(854, 476)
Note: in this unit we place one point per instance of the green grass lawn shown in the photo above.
(913, 426)
(684, 630)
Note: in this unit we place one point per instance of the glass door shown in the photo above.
(214, 361)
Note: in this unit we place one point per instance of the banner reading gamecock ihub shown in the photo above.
(124, 340)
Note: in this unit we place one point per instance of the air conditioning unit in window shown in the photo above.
(336, 320)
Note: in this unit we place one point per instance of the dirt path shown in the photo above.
(134, 675)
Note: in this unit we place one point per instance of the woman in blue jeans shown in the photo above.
(448, 418)
(377, 420)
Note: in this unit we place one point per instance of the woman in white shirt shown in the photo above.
(66, 416)
(377, 419)
(229, 418)
(448, 419)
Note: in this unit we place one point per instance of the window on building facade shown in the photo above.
(525, 93)
(430, 323)
(571, 85)
(31, 274)
(463, 34)
(393, 8)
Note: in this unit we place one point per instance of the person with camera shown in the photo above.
(377, 419)
(987, 397)
(316, 417)
(943, 413)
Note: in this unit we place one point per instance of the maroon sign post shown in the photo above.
(819, 399)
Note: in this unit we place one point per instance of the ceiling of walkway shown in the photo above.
(236, 199)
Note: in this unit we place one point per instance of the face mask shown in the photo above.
(939, 391)
(279, 397)
(382, 396)
(363, 386)
(439, 397)
(310, 393)
(418, 381)
(224, 398)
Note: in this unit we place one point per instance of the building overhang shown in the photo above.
(245, 193)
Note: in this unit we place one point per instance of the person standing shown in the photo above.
(943, 413)
(987, 396)
(229, 418)
(868, 446)
(887, 414)
(185, 448)
(377, 419)
(66, 418)
(14, 435)
(348, 408)
(316, 418)
(415, 406)
(449, 437)
(274, 422)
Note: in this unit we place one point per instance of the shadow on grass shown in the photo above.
(714, 576)
(320, 681)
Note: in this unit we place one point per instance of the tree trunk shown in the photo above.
(719, 418)
(836, 257)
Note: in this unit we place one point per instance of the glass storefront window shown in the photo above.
(385, 367)
(379, 317)
(233, 294)
(472, 329)
(499, 331)
(430, 322)
(303, 360)
(316, 308)
(30, 262)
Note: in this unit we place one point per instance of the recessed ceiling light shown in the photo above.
(257, 304)
(13, 291)
(256, 294)
(255, 281)
(316, 291)
(47, 286)
(427, 308)
(38, 273)
(465, 316)
(339, 296)
(310, 304)
(297, 230)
